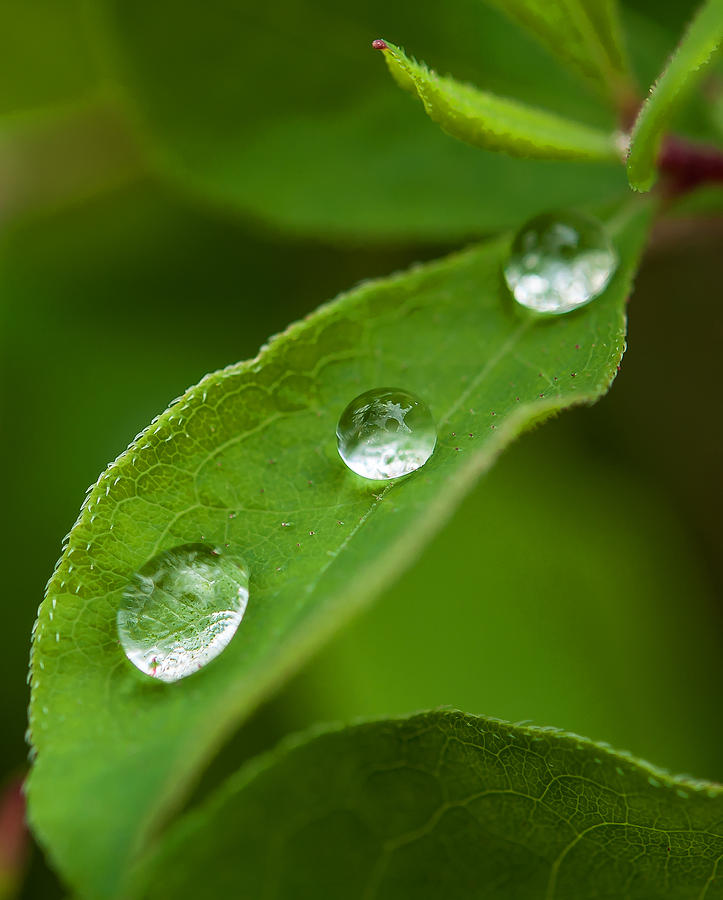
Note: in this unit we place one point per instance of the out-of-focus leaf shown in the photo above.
(64, 277)
(584, 34)
(45, 55)
(248, 458)
(491, 619)
(448, 805)
(322, 143)
(59, 158)
(672, 16)
(655, 42)
(700, 42)
(705, 201)
(496, 123)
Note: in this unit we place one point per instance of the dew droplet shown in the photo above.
(386, 433)
(181, 609)
(560, 261)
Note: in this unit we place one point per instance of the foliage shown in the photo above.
(247, 459)
(302, 133)
(701, 41)
(443, 804)
(496, 123)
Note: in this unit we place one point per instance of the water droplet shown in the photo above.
(386, 433)
(560, 261)
(181, 609)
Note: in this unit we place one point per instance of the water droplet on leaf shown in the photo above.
(386, 433)
(560, 261)
(181, 609)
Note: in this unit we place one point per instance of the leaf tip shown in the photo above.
(380, 44)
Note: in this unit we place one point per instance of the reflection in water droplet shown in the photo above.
(560, 261)
(181, 609)
(386, 433)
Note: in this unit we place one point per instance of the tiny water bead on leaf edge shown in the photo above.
(181, 609)
(386, 433)
(560, 261)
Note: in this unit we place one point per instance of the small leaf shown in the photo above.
(670, 91)
(584, 34)
(248, 457)
(496, 123)
(447, 805)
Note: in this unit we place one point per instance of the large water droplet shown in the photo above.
(386, 433)
(181, 609)
(560, 261)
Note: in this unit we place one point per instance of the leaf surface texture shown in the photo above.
(446, 804)
(247, 459)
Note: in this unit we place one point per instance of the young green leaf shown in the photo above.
(668, 94)
(584, 34)
(496, 123)
(448, 805)
(247, 458)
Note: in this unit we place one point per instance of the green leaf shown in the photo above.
(584, 34)
(496, 123)
(61, 157)
(654, 45)
(283, 113)
(45, 57)
(542, 600)
(448, 805)
(670, 92)
(248, 449)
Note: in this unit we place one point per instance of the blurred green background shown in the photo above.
(176, 184)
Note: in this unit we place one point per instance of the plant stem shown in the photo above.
(686, 165)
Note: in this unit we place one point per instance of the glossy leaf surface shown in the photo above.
(248, 458)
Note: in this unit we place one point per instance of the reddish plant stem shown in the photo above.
(13, 835)
(686, 164)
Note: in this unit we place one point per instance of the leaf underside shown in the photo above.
(668, 94)
(497, 123)
(247, 458)
(448, 805)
